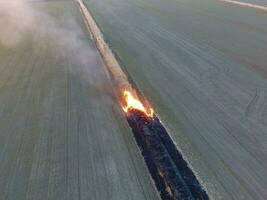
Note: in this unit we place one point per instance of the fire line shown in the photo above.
(134, 103)
(173, 178)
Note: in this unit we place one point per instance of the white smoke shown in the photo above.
(16, 19)
(24, 21)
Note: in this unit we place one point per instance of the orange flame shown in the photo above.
(135, 103)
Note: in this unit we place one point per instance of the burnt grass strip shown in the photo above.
(170, 172)
(172, 177)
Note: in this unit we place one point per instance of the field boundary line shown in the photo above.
(120, 78)
(250, 5)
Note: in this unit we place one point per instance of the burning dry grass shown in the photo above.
(133, 102)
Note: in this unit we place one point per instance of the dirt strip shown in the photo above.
(246, 4)
(115, 69)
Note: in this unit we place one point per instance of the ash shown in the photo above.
(170, 172)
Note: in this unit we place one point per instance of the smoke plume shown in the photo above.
(29, 21)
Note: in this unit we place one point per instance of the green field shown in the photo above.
(203, 67)
(62, 133)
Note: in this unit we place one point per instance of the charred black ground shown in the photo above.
(173, 178)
